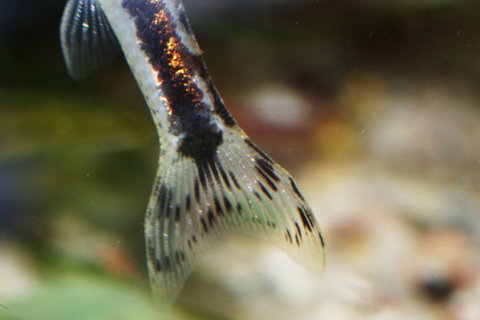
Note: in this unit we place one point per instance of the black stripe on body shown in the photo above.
(158, 33)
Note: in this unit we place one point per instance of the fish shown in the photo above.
(212, 180)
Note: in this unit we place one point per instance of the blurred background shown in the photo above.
(372, 105)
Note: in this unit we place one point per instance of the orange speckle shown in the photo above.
(171, 44)
(160, 16)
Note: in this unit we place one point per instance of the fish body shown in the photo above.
(212, 180)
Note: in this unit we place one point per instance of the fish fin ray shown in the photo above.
(238, 191)
(87, 39)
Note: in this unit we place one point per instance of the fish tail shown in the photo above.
(236, 190)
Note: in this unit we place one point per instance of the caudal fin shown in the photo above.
(239, 190)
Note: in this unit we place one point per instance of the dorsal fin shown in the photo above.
(87, 38)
